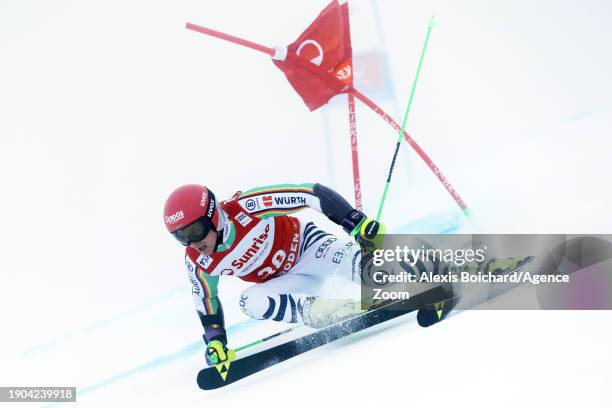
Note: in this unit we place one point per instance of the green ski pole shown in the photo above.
(430, 25)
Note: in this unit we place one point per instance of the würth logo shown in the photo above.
(267, 201)
(290, 201)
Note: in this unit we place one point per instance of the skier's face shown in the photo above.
(207, 245)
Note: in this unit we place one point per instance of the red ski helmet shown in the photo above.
(188, 204)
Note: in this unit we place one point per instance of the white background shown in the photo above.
(107, 106)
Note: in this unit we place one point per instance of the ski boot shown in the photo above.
(319, 312)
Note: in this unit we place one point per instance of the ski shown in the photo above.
(432, 306)
(227, 373)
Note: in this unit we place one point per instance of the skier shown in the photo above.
(251, 236)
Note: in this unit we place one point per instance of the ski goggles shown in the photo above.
(194, 232)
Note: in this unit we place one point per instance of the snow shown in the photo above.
(107, 106)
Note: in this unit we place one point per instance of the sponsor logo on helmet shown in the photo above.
(267, 200)
(177, 216)
(211, 208)
(252, 250)
(204, 198)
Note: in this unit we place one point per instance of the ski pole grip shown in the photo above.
(352, 222)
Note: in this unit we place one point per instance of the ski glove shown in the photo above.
(368, 232)
(217, 353)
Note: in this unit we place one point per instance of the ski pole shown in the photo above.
(256, 342)
(430, 25)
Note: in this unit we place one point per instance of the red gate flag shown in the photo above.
(319, 57)
(319, 66)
